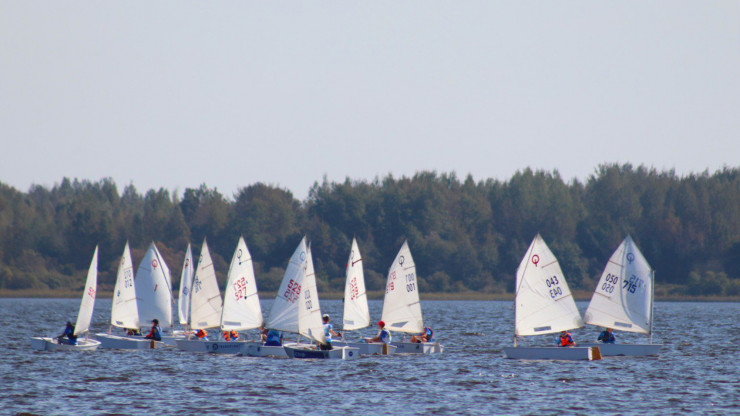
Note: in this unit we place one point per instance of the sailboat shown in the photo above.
(310, 324)
(284, 313)
(124, 311)
(241, 309)
(154, 292)
(186, 285)
(356, 311)
(205, 300)
(401, 305)
(544, 305)
(84, 316)
(623, 300)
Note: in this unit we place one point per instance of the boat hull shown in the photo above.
(126, 343)
(418, 347)
(553, 353)
(213, 347)
(368, 348)
(338, 353)
(627, 350)
(253, 349)
(51, 344)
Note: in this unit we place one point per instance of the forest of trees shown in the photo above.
(464, 235)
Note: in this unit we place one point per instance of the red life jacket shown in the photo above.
(226, 336)
(201, 333)
(566, 340)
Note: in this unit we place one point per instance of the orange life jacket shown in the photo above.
(226, 336)
(201, 333)
(566, 340)
(234, 335)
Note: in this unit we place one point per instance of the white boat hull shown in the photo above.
(51, 344)
(627, 350)
(418, 347)
(253, 349)
(368, 348)
(213, 347)
(337, 353)
(553, 353)
(125, 343)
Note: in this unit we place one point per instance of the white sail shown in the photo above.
(153, 292)
(544, 304)
(356, 312)
(241, 303)
(623, 297)
(88, 297)
(284, 312)
(401, 307)
(309, 310)
(205, 300)
(186, 285)
(124, 312)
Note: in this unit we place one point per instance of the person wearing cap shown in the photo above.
(328, 332)
(69, 333)
(565, 340)
(606, 336)
(384, 335)
(156, 332)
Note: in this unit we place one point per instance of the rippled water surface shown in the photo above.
(697, 370)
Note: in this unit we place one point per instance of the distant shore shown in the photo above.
(374, 295)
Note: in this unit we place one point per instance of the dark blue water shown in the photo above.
(696, 372)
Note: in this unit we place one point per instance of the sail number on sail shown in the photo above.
(610, 281)
(308, 300)
(292, 292)
(240, 288)
(410, 282)
(553, 285)
(128, 278)
(633, 284)
(354, 292)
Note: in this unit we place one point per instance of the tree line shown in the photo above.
(464, 235)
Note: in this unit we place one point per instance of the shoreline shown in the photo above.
(372, 295)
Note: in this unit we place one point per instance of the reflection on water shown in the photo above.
(697, 370)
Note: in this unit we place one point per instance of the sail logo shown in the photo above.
(535, 260)
(401, 259)
(155, 263)
(303, 256)
(630, 257)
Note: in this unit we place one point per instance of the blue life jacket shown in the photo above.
(157, 333)
(274, 338)
(430, 333)
(606, 337)
(385, 336)
(327, 332)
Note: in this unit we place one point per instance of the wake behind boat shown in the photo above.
(84, 316)
(623, 300)
(544, 305)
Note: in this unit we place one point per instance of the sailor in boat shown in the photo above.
(156, 332)
(425, 336)
(69, 334)
(384, 335)
(202, 335)
(565, 340)
(233, 336)
(606, 336)
(271, 338)
(328, 332)
(133, 332)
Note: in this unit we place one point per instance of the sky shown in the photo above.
(175, 94)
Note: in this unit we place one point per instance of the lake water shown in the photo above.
(697, 371)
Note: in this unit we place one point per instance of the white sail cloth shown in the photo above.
(84, 316)
(623, 297)
(401, 307)
(242, 308)
(205, 300)
(124, 312)
(153, 291)
(356, 311)
(544, 303)
(186, 285)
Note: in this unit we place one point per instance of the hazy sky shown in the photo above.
(175, 94)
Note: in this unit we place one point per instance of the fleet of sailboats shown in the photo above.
(622, 300)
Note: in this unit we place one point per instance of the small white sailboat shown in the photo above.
(310, 323)
(84, 316)
(544, 305)
(154, 293)
(205, 300)
(401, 305)
(241, 308)
(284, 313)
(356, 311)
(623, 300)
(124, 311)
